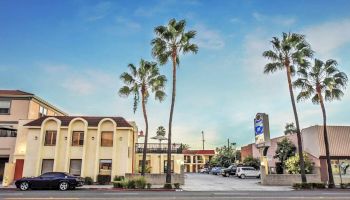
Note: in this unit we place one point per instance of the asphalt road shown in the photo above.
(181, 195)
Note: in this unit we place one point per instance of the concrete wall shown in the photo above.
(159, 179)
(157, 162)
(286, 179)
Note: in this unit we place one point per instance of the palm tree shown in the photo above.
(142, 81)
(288, 53)
(171, 41)
(323, 82)
(160, 131)
(289, 128)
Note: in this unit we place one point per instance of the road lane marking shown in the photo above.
(231, 193)
(119, 193)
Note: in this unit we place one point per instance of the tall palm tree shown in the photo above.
(289, 128)
(171, 41)
(142, 81)
(287, 53)
(322, 82)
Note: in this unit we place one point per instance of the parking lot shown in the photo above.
(208, 182)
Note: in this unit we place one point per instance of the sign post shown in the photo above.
(262, 137)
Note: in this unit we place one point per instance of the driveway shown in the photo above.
(208, 182)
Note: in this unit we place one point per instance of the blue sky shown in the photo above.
(71, 53)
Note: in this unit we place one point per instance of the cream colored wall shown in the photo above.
(154, 158)
(62, 152)
(32, 152)
(34, 107)
(18, 110)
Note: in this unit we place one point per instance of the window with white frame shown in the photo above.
(5, 107)
(42, 111)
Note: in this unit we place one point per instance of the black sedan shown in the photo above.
(50, 180)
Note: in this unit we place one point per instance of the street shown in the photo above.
(181, 195)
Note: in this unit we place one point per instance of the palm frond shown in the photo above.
(272, 67)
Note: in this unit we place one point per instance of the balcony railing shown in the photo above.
(158, 148)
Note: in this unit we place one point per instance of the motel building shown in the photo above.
(195, 160)
(83, 145)
(314, 147)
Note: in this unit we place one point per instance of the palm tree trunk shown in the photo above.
(144, 153)
(168, 172)
(325, 136)
(300, 148)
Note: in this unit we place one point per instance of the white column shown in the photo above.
(83, 160)
(114, 153)
(98, 146)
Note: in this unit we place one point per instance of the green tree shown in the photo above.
(171, 41)
(142, 81)
(293, 164)
(253, 162)
(161, 131)
(225, 156)
(185, 146)
(322, 82)
(289, 129)
(285, 149)
(287, 53)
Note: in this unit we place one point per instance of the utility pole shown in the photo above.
(203, 139)
(228, 144)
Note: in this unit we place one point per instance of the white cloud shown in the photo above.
(208, 38)
(235, 20)
(96, 12)
(128, 23)
(327, 38)
(279, 20)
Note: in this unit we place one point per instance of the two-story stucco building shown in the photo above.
(16, 105)
(195, 160)
(82, 145)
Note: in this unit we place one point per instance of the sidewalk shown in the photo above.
(94, 187)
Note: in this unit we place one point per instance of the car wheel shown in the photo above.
(24, 186)
(242, 176)
(63, 186)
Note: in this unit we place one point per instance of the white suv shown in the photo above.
(243, 172)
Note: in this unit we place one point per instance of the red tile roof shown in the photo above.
(92, 121)
(198, 151)
(14, 92)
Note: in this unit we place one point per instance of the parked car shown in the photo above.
(50, 180)
(215, 170)
(243, 172)
(231, 170)
(204, 170)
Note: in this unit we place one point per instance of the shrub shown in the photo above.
(88, 181)
(118, 181)
(344, 185)
(140, 182)
(252, 162)
(103, 179)
(131, 184)
(149, 185)
(177, 185)
(168, 186)
(318, 185)
(118, 178)
(299, 186)
(292, 164)
(125, 183)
